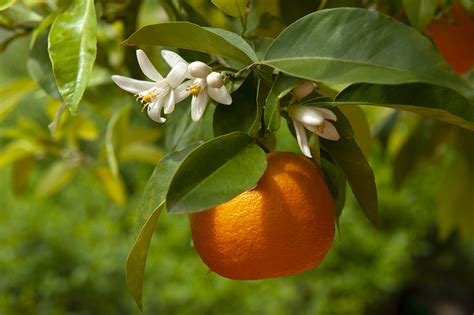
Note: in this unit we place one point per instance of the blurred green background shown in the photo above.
(67, 222)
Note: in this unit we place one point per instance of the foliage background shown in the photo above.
(64, 241)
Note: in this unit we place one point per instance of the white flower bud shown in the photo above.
(215, 80)
(199, 69)
(304, 89)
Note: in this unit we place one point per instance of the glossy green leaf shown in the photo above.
(214, 172)
(194, 37)
(350, 45)
(242, 115)
(420, 12)
(362, 135)
(432, 101)
(236, 8)
(40, 67)
(72, 50)
(282, 85)
(349, 157)
(150, 209)
(336, 181)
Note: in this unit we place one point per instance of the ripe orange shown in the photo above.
(453, 34)
(283, 226)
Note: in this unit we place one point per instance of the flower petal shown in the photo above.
(220, 95)
(169, 102)
(327, 114)
(172, 58)
(132, 85)
(147, 67)
(328, 132)
(302, 138)
(307, 115)
(198, 105)
(154, 111)
(181, 92)
(177, 74)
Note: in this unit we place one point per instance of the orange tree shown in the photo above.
(244, 78)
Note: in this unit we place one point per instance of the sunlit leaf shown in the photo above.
(113, 186)
(18, 149)
(56, 177)
(356, 117)
(12, 93)
(212, 173)
(5, 4)
(194, 37)
(350, 45)
(420, 12)
(72, 50)
(236, 8)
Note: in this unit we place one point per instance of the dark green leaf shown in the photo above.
(40, 68)
(282, 85)
(424, 99)
(194, 37)
(349, 45)
(72, 50)
(349, 157)
(182, 130)
(336, 182)
(242, 115)
(151, 206)
(216, 171)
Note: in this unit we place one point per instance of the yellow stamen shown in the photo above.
(148, 96)
(194, 89)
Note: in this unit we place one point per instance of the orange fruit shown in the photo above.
(453, 34)
(284, 226)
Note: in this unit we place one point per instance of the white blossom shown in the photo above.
(316, 121)
(158, 94)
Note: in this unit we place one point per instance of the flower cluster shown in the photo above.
(163, 93)
(314, 119)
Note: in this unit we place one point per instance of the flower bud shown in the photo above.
(199, 69)
(215, 80)
(304, 89)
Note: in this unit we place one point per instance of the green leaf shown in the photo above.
(242, 115)
(350, 45)
(419, 148)
(336, 181)
(72, 50)
(420, 12)
(235, 8)
(55, 178)
(282, 85)
(349, 157)
(194, 37)
(113, 185)
(182, 131)
(136, 260)
(116, 131)
(40, 67)
(150, 209)
(456, 200)
(424, 99)
(216, 171)
(356, 117)
(5, 4)
(12, 92)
